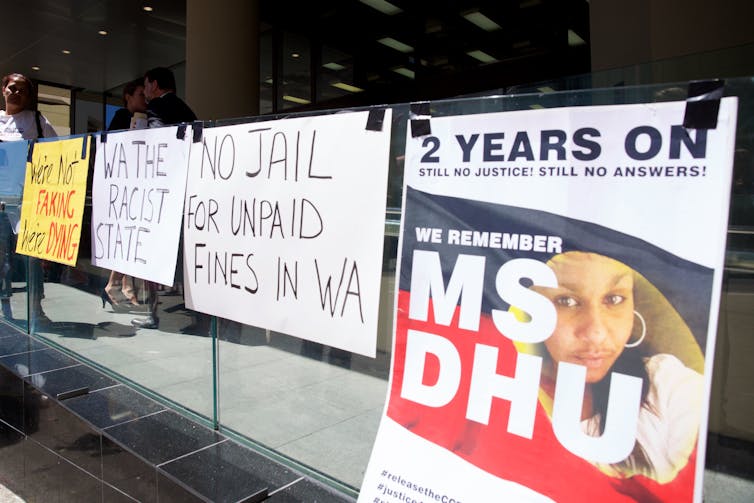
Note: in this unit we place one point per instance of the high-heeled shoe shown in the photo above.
(107, 299)
(132, 299)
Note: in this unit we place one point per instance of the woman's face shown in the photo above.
(17, 94)
(136, 102)
(595, 308)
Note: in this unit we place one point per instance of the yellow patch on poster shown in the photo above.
(53, 202)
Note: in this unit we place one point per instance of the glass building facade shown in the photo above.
(312, 408)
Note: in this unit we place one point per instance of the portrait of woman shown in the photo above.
(611, 319)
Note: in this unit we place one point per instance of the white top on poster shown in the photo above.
(604, 167)
(284, 224)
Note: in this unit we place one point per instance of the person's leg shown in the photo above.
(112, 285)
(127, 287)
(6, 287)
(35, 287)
(152, 299)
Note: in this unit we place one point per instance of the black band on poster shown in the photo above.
(103, 137)
(181, 132)
(703, 104)
(198, 128)
(31, 151)
(84, 146)
(375, 119)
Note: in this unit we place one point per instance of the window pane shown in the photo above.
(295, 90)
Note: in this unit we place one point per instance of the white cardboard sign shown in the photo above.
(284, 227)
(137, 198)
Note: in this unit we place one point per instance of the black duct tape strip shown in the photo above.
(375, 119)
(420, 127)
(31, 151)
(84, 146)
(420, 108)
(103, 137)
(703, 104)
(72, 393)
(420, 114)
(181, 133)
(198, 128)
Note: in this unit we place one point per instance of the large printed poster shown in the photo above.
(137, 201)
(284, 224)
(559, 280)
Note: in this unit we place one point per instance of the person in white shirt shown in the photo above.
(21, 121)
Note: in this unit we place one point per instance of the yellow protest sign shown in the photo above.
(53, 201)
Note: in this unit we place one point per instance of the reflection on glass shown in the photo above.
(173, 361)
(55, 104)
(304, 399)
(295, 88)
(266, 84)
(336, 75)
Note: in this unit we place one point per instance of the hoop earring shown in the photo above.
(643, 332)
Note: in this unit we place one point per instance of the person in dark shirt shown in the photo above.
(164, 108)
(134, 101)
